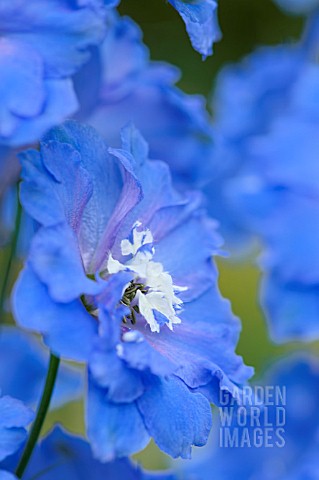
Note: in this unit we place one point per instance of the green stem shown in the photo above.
(12, 254)
(41, 414)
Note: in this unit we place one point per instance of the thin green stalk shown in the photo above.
(12, 254)
(41, 414)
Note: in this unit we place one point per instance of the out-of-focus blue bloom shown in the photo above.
(270, 181)
(298, 6)
(64, 456)
(200, 17)
(284, 205)
(122, 263)
(43, 43)
(247, 98)
(23, 367)
(121, 85)
(292, 454)
(14, 418)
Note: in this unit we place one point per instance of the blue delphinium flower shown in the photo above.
(63, 456)
(200, 17)
(290, 424)
(120, 84)
(122, 263)
(23, 366)
(14, 418)
(43, 43)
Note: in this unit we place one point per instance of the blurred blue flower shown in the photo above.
(28, 362)
(14, 418)
(122, 263)
(284, 203)
(7, 215)
(200, 17)
(267, 150)
(298, 6)
(43, 43)
(247, 99)
(120, 84)
(292, 454)
(63, 456)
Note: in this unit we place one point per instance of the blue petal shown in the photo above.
(254, 90)
(200, 17)
(36, 62)
(55, 258)
(176, 126)
(124, 56)
(123, 384)
(190, 266)
(288, 230)
(90, 75)
(140, 355)
(175, 417)
(64, 50)
(7, 475)
(292, 309)
(188, 347)
(28, 366)
(114, 430)
(14, 417)
(135, 150)
(63, 197)
(64, 456)
(114, 183)
(60, 103)
(294, 379)
(22, 92)
(67, 328)
(278, 155)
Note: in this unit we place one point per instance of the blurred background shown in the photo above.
(245, 24)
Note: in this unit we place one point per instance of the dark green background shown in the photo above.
(245, 24)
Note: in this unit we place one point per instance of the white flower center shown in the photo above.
(156, 301)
